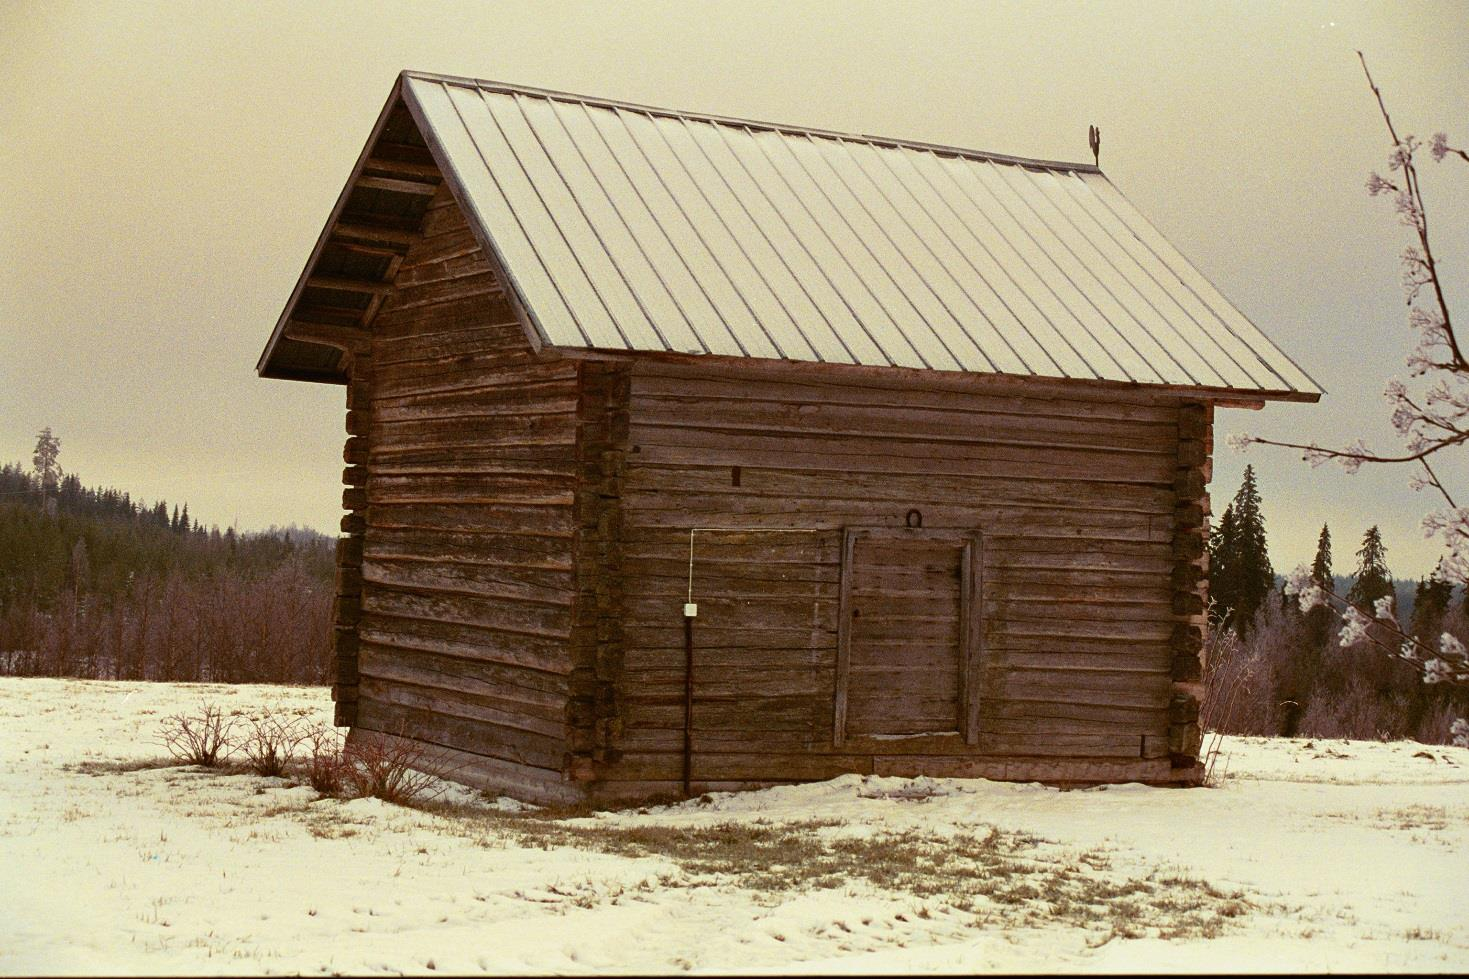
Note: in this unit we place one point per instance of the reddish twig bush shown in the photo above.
(327, 769)
(205, 737)
(273, 738)
(395, 769)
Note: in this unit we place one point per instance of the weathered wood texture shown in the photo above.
(1191, 587)
(596, 706)
(469, 520)
(1077, 495)
(908, 634)
(516, 556)
(347, 603)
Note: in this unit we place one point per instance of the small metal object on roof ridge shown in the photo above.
(513, 88)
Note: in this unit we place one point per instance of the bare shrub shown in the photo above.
(1236, 698)
(1290, 677)
(269, 627)
(327, 768)
(272, 740)
(1356, 709)
(205, 737)
(394, 769)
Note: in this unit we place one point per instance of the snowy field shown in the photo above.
(1342, 856)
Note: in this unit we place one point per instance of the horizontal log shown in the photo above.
(494, 340)
(529, 460)
(752, 740)
(668, 446)
(355, 450)
(521, 518)
(553, 396)
(432, 249)
(1076, 707)
(640, 765)
(1006, 489)
(460, 733)
(512, 647)
(487, 546)
(486, 488)
(464, 261)
(361, 231)
(378, 166)
(476, 431)
(343, 284)
(536, 691)
(443, 220)
(399, 331)
(485, 285)
(1136, 691)
(644, 509)
(735, 714)
(737, 417)
(491, 709)
(501, 615)
(552, 587)
(782, 382)
(476, 325)
(459, 373)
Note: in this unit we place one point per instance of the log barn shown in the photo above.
(689, 453)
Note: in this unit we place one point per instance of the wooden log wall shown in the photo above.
(347, 613)
(1077, 494)
(1190, 587)
(470, 523)
(595, 718)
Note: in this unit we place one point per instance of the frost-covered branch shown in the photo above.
(1448, 663)
(1437, 418)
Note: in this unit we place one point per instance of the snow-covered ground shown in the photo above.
(1310, 856)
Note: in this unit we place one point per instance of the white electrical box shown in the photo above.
(690, 610)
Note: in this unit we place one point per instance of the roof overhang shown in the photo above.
(350, 268)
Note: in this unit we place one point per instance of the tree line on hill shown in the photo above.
(1272, 669)
(96, 584)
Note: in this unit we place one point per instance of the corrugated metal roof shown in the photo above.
(632, 228)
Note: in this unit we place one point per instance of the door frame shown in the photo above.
(971, 632)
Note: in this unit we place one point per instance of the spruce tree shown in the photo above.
(1321, 565)
(1223, 543)
(1240, 574)
(1374, 581)
(48, 470)
(1431, 600)
(173, 523)
(1319, 619)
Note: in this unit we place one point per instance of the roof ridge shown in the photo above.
(780, 127)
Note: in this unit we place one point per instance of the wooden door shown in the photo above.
(908, 643)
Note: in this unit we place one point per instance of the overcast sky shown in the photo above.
(165, 170)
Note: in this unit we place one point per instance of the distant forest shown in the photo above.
(1272, 669)
(96, 584)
